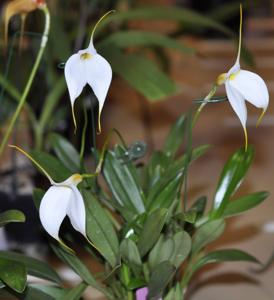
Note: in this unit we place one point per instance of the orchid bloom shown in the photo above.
(244, 85)
(88, 67)
(22, 7)
(61, 200)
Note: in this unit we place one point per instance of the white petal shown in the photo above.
(237, 102)
(76, 211)
(252, 87)
(53, 209)
(234, 69)
(75, 76)
(98, 75)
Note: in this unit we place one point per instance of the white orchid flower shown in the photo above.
(61, 200)
(88, 67)
(244, 85)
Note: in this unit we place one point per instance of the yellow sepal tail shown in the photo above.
(260, 118)
(246, 138)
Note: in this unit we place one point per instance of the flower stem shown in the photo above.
(30, 80)
(200, 108)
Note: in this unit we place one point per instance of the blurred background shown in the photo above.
(164, 54)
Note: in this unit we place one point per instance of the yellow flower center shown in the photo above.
(233, 76)
(76, 178)
(221, 79)
(85, 56)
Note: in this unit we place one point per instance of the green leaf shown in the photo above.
(100, 229)
(141, 73)
(34, 266)
(174, 249)
(75, 293)
(189, 216)
(13, 274)
(175, 137)
(130, 253)
(136, 283)
(78, 266)
(52, 291)
(244, 203)
(156, 166)
(52, 165)
(32, 293)
(66, 153)
(75, 263)
(11, 216)
(135, 38)
(182, 247)
(152, 230)
(183, 15)
(160, 277)
(37, 195)
(179, 164)
(175, 293)
(164, 193)
(222, 256)
(121, 179)
(199, 206)
(206, 234)
(232, 175)
(161, 251)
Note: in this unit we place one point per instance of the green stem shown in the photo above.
(130, 295)
(200, 108)
(30, 80)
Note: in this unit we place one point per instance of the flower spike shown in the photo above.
(242, 85)
(88, 67)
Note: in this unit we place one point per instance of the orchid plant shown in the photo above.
(135, 220)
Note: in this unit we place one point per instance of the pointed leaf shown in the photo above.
(66, 153)
(13, 274)
(141, 73)
(135, 38)
(34, 266)
(53, 291)
(11, 216)
(222, 256)
(244, 203)
(175, 293)
(32, 293)
(175, 137)
(76, 264)
(152, 230)
(130, 252)
(232, 175)
(186, 16)
(121, 179)
(37, 195)
(206, 234)
(199, 206)
(162, 251)
(75, 293)
(100, 229)
(52, 165)
(182, 247)
(160, 277)
(165, 192)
